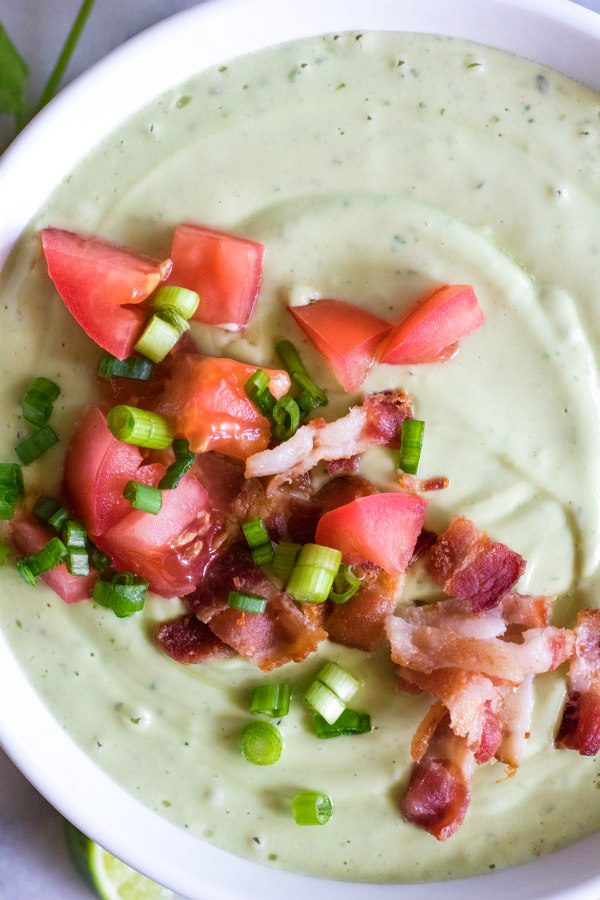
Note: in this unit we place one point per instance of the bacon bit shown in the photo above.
(349, 465)
(580, 726)
(386, 411)
(360, 622)
(515, 707)
(187, 640)
(425, 540)
(527, 611)
(426, 729)
(314, 613)
(402, 684)
(451, 614)
(491, 736)
(472, 567)
(422, 485)
(342, 490)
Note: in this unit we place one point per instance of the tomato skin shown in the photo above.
(430, 330)
(28, 537)
(379, 528)
(205, 399)
(98, 281)
(224, 269)
(346, 335)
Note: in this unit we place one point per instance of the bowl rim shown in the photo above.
(552, 32)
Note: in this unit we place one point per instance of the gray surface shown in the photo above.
(33, 862)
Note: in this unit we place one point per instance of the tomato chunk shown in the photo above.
(224, 269)
(98, 281)
(431, 329)
(97, 468)
(346, 335)
(379, 528)
(28, 537)
(206, 400)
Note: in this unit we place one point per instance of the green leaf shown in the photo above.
(13, 76)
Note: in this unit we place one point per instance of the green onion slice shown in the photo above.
(250, 603)
(263, 555)
(122, 592)
(78, 562)
(39, 400)
(312, 808)
(140, 427)
(345, 585)
(324, 701)
(181, 448)
(255, 532)
(175, 473)
(313, 575)
(11, 480)
(144, 497)
(257, 389)
(311, 395)
(271, 699)
(284, 559)
(180, 300)
(337, 679)
(261, 743)
(158, 339)
(45, 508)
(178, 322)
(99, 560)
(411, 442)
(73, 535)
(350, 722)
(4, 551)
(7, 508)
(286, 418)
(51, 555)
(36, 444)
(132, 367)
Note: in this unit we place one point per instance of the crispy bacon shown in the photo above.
(422, 485)
(386, 411)
(360, 621)
(348, 465)
(580, 726)
(472, 567)
(188, 640)
(425, 540)
(451, 614)
(515, 706)
(491, 735)
(526, 610)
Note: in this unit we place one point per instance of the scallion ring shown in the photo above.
(261, 743)
(144, 497)
(271, 699)
(345, 585)
(122, 592)
(411, 442)
(36, 444)
(133, 367)
(250, 603)
(312, 808)
(140, 427)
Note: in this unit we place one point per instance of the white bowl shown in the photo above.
(554, 32)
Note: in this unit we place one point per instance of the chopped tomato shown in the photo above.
(29, 537)
(224, 269)
(430, 330)
(379, 528)
(346, 335)
(97, 468)
(98, 281)
(205, 399)
(171, 549)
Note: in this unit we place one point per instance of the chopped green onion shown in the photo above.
(257, 389)
(342, 683)
(411, 442)
(255, 532)
(345, 585)
(157, 340)
(181, 448)
(39, 401)
(271, 699)
(122, 592)
(73, 535)
(99, 560)
(284, 559)
(132, 367)
(45, 507)
(11, 480)
(144, 497)
(246, 602)
(323, 700)
(8, 508)
(314, 573)
(261, 743)
(286, 418)
(78, 562)
(140, 427)
(59, 518)
(36, 444)
(311, 395)
(312, 808)
(51, 555)
(263, 555)
(175, 473)
(4, 551)
(181, 300)
(350, 722)
(173, 318)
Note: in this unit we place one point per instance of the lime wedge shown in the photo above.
(110, 878)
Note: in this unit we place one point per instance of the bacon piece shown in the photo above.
(514, 708)
(439, 791)
(580, 726)
(543, 649)
(470, 566)
(348, 465)
(426, 729)
(451, 614)
(425, 540)
(375, 422)
(491, 736)
(525, 610)
(422, 485)
(188, 640)
(360, 622)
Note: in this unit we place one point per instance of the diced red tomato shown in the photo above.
(379, 528)
(430, 330)
(97, 468)
(206, 401)
(28, 537)
(346, 335)
(98, 281)
(224, 269)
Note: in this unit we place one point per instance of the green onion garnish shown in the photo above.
(324, 701)
(39, 401)
(350, 722)
(284, 559)
(99, 560)
(314, 573)
(180, 300)
(36, 444)
(140, 427)
(345, 585)
(45, 508)
(157, 340)
(144, 497)
(59, 518)
(122, 592)
(312, 808)
(132, 367)
(250, 603)
(262, 555)
(4, 551)
(8, 508)
(78, 562)
(12, 489)
(73, 535)
(261, 743)
(51, 555)
(173, 318)
(311, 395)
(271, 699)
(184, 459)
(410, 445)
(286, 418)
(257, 389)
(255, 532)
(341, 682)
